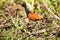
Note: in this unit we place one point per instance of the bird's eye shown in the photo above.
(21, 16)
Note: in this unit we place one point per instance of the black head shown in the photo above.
(26, 9)
(24, 5)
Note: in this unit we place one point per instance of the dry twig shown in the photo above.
(50, 10)
(56, 24)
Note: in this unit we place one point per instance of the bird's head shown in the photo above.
(24, 5)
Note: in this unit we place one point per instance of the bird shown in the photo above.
(31, 15)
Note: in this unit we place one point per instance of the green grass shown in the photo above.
(12, 34)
